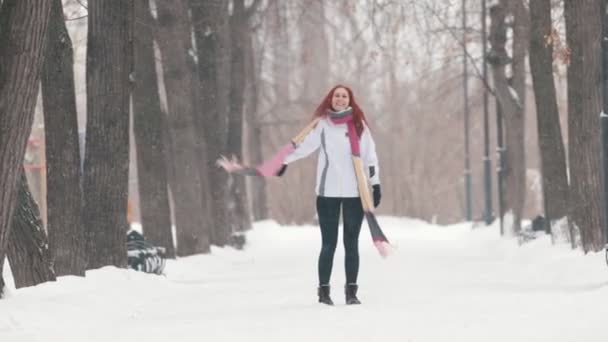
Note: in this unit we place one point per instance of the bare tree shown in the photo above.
(584, 28)
(210, 21)
(148, 130)
(189, 189)
(258, 193)
(23, 36)
(64, 195)
(28, 249)
(553, 157)
(515, 124)
(314, 51)
(510, 94)
(269, 44)
(300, 72)
(403, 60)
(106, 164)
(240, 36)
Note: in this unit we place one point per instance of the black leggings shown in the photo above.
(328, 210)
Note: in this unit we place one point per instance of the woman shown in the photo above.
(337, 183)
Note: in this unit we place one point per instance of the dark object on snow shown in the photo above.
(539, 224)
(143, 256)
(351, 294)
(323, 293)
(534, 230)
(238, 240)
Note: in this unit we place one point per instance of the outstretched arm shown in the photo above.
(310, 140)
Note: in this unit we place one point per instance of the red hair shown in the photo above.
(358, 115)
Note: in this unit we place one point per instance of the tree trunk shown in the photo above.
(147, 121)
(259, 201)
(23, 38)
(239, 23)
(2, 284)
(193, 221)
(209, 27)
(106, 164)
(583, 28)
(291, 67)
(282, 73)
(515, 128)
(314, 50)
(64, 195)
(512, 106)
(28, 249)
(552, 155)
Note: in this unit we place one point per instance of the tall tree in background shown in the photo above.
(283, 75)
(240, 38)
(300, 73)
(552, 154)
(23, 33)
(64, 195)
(106, 164)
(515, 125)
(258, 193)
(210, 28)
(314, 52)
(277, 36)
(148, 130)
(189, 189)
(511, 95)
(28, 248)
(583, 34)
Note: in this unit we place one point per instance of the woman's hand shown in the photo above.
(282, 170)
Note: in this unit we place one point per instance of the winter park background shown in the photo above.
(486, 117)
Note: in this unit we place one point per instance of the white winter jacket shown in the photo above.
(335, 170)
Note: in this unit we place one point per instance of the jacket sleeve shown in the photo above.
(369, 156)
(310, 144)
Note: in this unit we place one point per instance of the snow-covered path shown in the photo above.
(440, 284)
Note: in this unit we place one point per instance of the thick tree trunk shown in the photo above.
(106, 164)
(552, 154)
(64, 195)
(147, 121)
(28, 249)
(515, 129)
(583, 28)
(193, 221)
(239, 23)
(23, 38)
(514, 166)
(209, 26)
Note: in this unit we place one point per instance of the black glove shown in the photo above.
(377, 195)
(281, 170)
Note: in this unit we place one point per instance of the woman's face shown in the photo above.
(340, 100)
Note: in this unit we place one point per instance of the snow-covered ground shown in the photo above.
(447, 283)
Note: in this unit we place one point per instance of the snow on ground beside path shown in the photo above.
(442, 283)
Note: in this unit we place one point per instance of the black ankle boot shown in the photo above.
(323, 293)
(351, 294)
